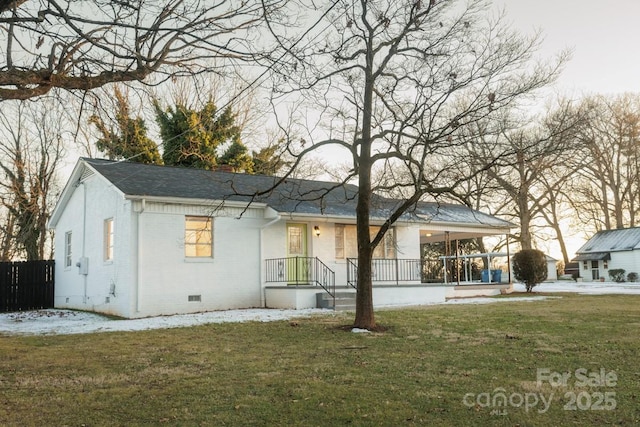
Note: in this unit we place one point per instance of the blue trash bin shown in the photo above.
(485, 276)
(496, 276)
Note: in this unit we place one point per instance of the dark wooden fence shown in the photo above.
(26, 285)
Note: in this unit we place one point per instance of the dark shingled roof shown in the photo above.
(292, 196)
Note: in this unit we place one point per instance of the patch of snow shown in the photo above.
(488, 300)
(64, 322)
(360, 331)
(593, 288)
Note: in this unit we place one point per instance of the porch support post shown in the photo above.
(444, 268)
(458, 261)
(489, 268)
(447, 253)
(508, 260)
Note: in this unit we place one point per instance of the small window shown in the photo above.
(198, 237)
(109, 229)
(339, 241)
(68, 256)
(605, 264)
(585, 265)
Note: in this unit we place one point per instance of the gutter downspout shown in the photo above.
(137, 273)
(84, 237)
(260, 245)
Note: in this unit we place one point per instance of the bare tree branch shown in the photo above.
(85, 45)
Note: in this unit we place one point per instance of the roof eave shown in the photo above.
(190, 201)
(72, 183)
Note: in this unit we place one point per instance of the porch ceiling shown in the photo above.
(433, 236)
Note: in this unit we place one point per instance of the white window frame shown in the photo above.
(339, 241)
(198, 241)
(109, 236)
(68, 254)
(386, 249)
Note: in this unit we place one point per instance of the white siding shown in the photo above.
(627, 260)
(106, 286)
(230, 279)
(163, 279)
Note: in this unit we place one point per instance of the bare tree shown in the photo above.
(31, 149)
(7, 242)
(607, 193)
(555, 183)
(397, 81)
(84, 45)
(532, 173)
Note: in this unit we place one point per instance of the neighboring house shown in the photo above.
(609, 249)
(139, 240)
(552, 269)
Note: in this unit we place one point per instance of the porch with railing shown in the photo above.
(294, 282)
(462, 270)
(391, 271)
(300, 271)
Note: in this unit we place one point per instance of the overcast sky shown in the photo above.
(604, 36)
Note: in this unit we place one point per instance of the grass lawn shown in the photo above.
(433, 366)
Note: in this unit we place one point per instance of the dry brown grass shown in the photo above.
(312, 372)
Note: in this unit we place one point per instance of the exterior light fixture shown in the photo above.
(316, 231)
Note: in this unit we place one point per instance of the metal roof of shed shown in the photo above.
(625, 239)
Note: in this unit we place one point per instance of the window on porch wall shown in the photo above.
(347, 242)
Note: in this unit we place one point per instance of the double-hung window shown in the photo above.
(198, 236)
(68, 256)
(346, 243)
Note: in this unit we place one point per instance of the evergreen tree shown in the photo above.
(237, 156)
(269, 160)
(199, 139)
(129, 141)
(530, 267)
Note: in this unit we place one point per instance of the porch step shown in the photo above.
(345, 301)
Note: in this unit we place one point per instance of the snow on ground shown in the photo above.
(64, 322)
(593, 288)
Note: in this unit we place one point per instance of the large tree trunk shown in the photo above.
(525, 221)
(365, 318)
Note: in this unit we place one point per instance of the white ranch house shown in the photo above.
(607, 250)
(138, 240)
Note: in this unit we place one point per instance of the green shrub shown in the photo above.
(617, 274)
(632, 277)
(530, 267)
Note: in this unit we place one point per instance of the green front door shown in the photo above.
(298, 264)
